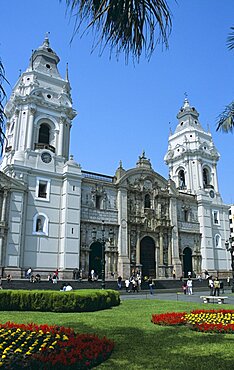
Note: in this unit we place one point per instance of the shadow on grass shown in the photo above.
(165, 348)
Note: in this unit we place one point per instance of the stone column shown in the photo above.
(16, 130)
(138, 248)
(56, 138)
(169, 249)
(215, 179)
(3, 214)
(161, 248)
(32, 111)
(61, 135)
(1, 246)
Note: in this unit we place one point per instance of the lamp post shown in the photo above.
(103, 257)
(229, 244)
(103, 244)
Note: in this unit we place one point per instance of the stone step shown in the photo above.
(174, 284)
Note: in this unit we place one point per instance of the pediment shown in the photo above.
(8, 183)
(143, 180)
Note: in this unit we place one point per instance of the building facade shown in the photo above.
(56, 215)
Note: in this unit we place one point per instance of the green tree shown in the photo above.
(2, 115)
(125, 26)
(226, 118)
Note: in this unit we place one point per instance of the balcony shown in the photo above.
(44, 146)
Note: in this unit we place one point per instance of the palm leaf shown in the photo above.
(226, 119)
(2, 114)
(125, 25)
(230, 39)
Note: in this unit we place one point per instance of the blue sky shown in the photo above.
(123, 109)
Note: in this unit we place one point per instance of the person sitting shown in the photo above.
(9, 277)
(68, 287)
(38, 278)
(29, 273)
(63, 287)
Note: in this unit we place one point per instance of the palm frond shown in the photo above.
(230, 39)
(226, 119)
(125, 25)
(2, 114)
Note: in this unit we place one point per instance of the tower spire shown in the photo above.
(67, 75)
(186, 101)
(46, 42)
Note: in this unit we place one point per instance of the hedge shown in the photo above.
(51, 301)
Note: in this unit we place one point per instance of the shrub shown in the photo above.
(42, 300)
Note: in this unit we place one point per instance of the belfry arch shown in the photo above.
(147, 257)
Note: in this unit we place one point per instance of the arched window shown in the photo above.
(40, 224)
(217, 240)
(206, 177)
(181, 177)
(44, 134)
(147, 201)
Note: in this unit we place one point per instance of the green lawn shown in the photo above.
(139, 344)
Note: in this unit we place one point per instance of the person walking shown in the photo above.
(216, 286)
(151, 284)
(119, 282)
(127, 283)
(190, 286)
(211, 285)
(222, 286)
(184, 287)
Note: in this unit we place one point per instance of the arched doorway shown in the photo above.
(95, 258)
(187, 261)
(147, 257)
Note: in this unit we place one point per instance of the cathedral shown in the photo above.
(55, 215)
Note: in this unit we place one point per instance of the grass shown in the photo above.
(141, 345)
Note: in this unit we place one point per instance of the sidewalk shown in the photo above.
(175, 296)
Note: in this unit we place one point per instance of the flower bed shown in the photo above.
(50, 347)
(218, 321)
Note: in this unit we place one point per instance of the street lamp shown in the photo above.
(103, 243)
(230, 247)
(103, 257)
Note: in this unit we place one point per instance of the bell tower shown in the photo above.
(39, 119)
(192, 159)
(39, 113)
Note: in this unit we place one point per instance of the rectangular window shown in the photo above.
(98, 201)
(43, 189)
(216, 217)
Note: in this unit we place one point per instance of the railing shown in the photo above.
(44, 146)
(97, 176)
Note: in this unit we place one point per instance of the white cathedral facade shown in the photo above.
(52, 212)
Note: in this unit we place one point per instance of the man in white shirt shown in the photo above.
(190, 286)
(68, 288)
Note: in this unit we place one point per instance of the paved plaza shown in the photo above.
(176, 296)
